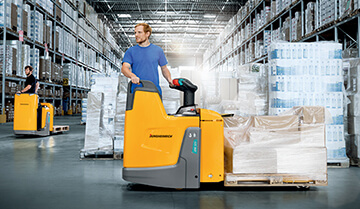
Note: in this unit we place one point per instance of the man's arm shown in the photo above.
(25, 89)
(125, 69)
(36, 87)
(166, 73)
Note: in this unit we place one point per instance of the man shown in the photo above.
(31, 84)
(144, 59)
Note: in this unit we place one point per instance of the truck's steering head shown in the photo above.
(184, 85)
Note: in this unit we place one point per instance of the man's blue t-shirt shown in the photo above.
(144, 63)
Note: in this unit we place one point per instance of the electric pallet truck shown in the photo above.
(175, 151)
(34, 118)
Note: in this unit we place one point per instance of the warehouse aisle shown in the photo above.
(46, 172)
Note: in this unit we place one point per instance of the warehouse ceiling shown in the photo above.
(179, 26)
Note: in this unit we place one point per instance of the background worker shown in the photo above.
(31, 84)
(31, 87)
(144, 59)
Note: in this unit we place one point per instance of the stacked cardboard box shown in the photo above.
(289, 144)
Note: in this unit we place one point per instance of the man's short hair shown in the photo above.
(147, 27)
(30, 68)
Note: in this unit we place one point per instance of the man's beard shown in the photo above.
(141, 41)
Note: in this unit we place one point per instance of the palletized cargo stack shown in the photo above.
(276, 150)
(310, 74)
(101, 112)
(352, 70)
(83, 110)
(252, 89)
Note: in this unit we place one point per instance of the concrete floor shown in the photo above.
(46, 172)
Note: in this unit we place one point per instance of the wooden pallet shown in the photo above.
(118, 155)
(58, 129)
(97, 155)
(355, 162)
(341, 163)
(265, 180)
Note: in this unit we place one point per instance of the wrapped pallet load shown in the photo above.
(100, 120)
(289, 144)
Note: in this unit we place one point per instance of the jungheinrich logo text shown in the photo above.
(160, 136)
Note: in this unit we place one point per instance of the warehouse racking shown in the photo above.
(71, 34)
(249, 33)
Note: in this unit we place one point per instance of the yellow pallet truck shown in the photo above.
(175, 151)
(34, 118)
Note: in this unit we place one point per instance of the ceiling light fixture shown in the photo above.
(166, 12)
(209, 16)
(123, 15)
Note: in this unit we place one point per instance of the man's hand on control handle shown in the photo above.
(135, 80)
(171, 84)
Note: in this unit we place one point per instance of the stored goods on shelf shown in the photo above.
(37, 26)
(69, 16)
(69, 73)
(34, 61)
(10, 59)
(5, 9)
(328, 12)
(45, 69)
(310, 17)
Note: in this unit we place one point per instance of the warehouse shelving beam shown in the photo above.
(4, 63)
(358, 34)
